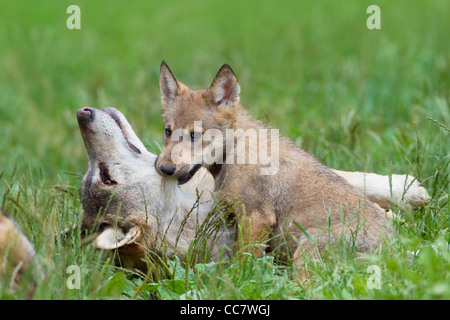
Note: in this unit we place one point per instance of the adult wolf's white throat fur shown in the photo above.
(129, 206)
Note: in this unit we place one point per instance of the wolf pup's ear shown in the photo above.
(168, 83)
(225, 87)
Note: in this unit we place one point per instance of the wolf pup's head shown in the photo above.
(195, 122)
(120, 190)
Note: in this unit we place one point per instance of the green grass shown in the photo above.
(358, 99)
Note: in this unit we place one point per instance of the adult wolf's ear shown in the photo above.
(112, 238)
(168, 84)
(225, 87)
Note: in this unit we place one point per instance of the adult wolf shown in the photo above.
(291, 190)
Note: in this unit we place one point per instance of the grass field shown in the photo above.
(357, 99)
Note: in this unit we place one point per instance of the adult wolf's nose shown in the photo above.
(168, 170)
(85, 114)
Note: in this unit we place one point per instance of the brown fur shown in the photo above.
(302, 191)
(16, 252)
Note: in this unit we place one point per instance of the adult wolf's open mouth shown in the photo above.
(104, 175)
(183, 179)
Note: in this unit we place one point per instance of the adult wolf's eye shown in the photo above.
(168, 132)
(195, 135)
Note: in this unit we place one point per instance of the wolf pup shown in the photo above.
(205, 127)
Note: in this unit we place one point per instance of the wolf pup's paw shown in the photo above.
(415, 196)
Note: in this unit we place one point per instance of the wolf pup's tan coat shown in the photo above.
(302, 190)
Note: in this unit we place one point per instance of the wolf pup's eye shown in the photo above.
(195, 135)
(168, 132)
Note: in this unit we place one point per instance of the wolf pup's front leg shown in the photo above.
(255, 229)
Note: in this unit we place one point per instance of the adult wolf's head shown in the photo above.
(127, 205)
(121, 189)
(195, 122)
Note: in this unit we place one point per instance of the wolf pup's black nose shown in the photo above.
(168, 170)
